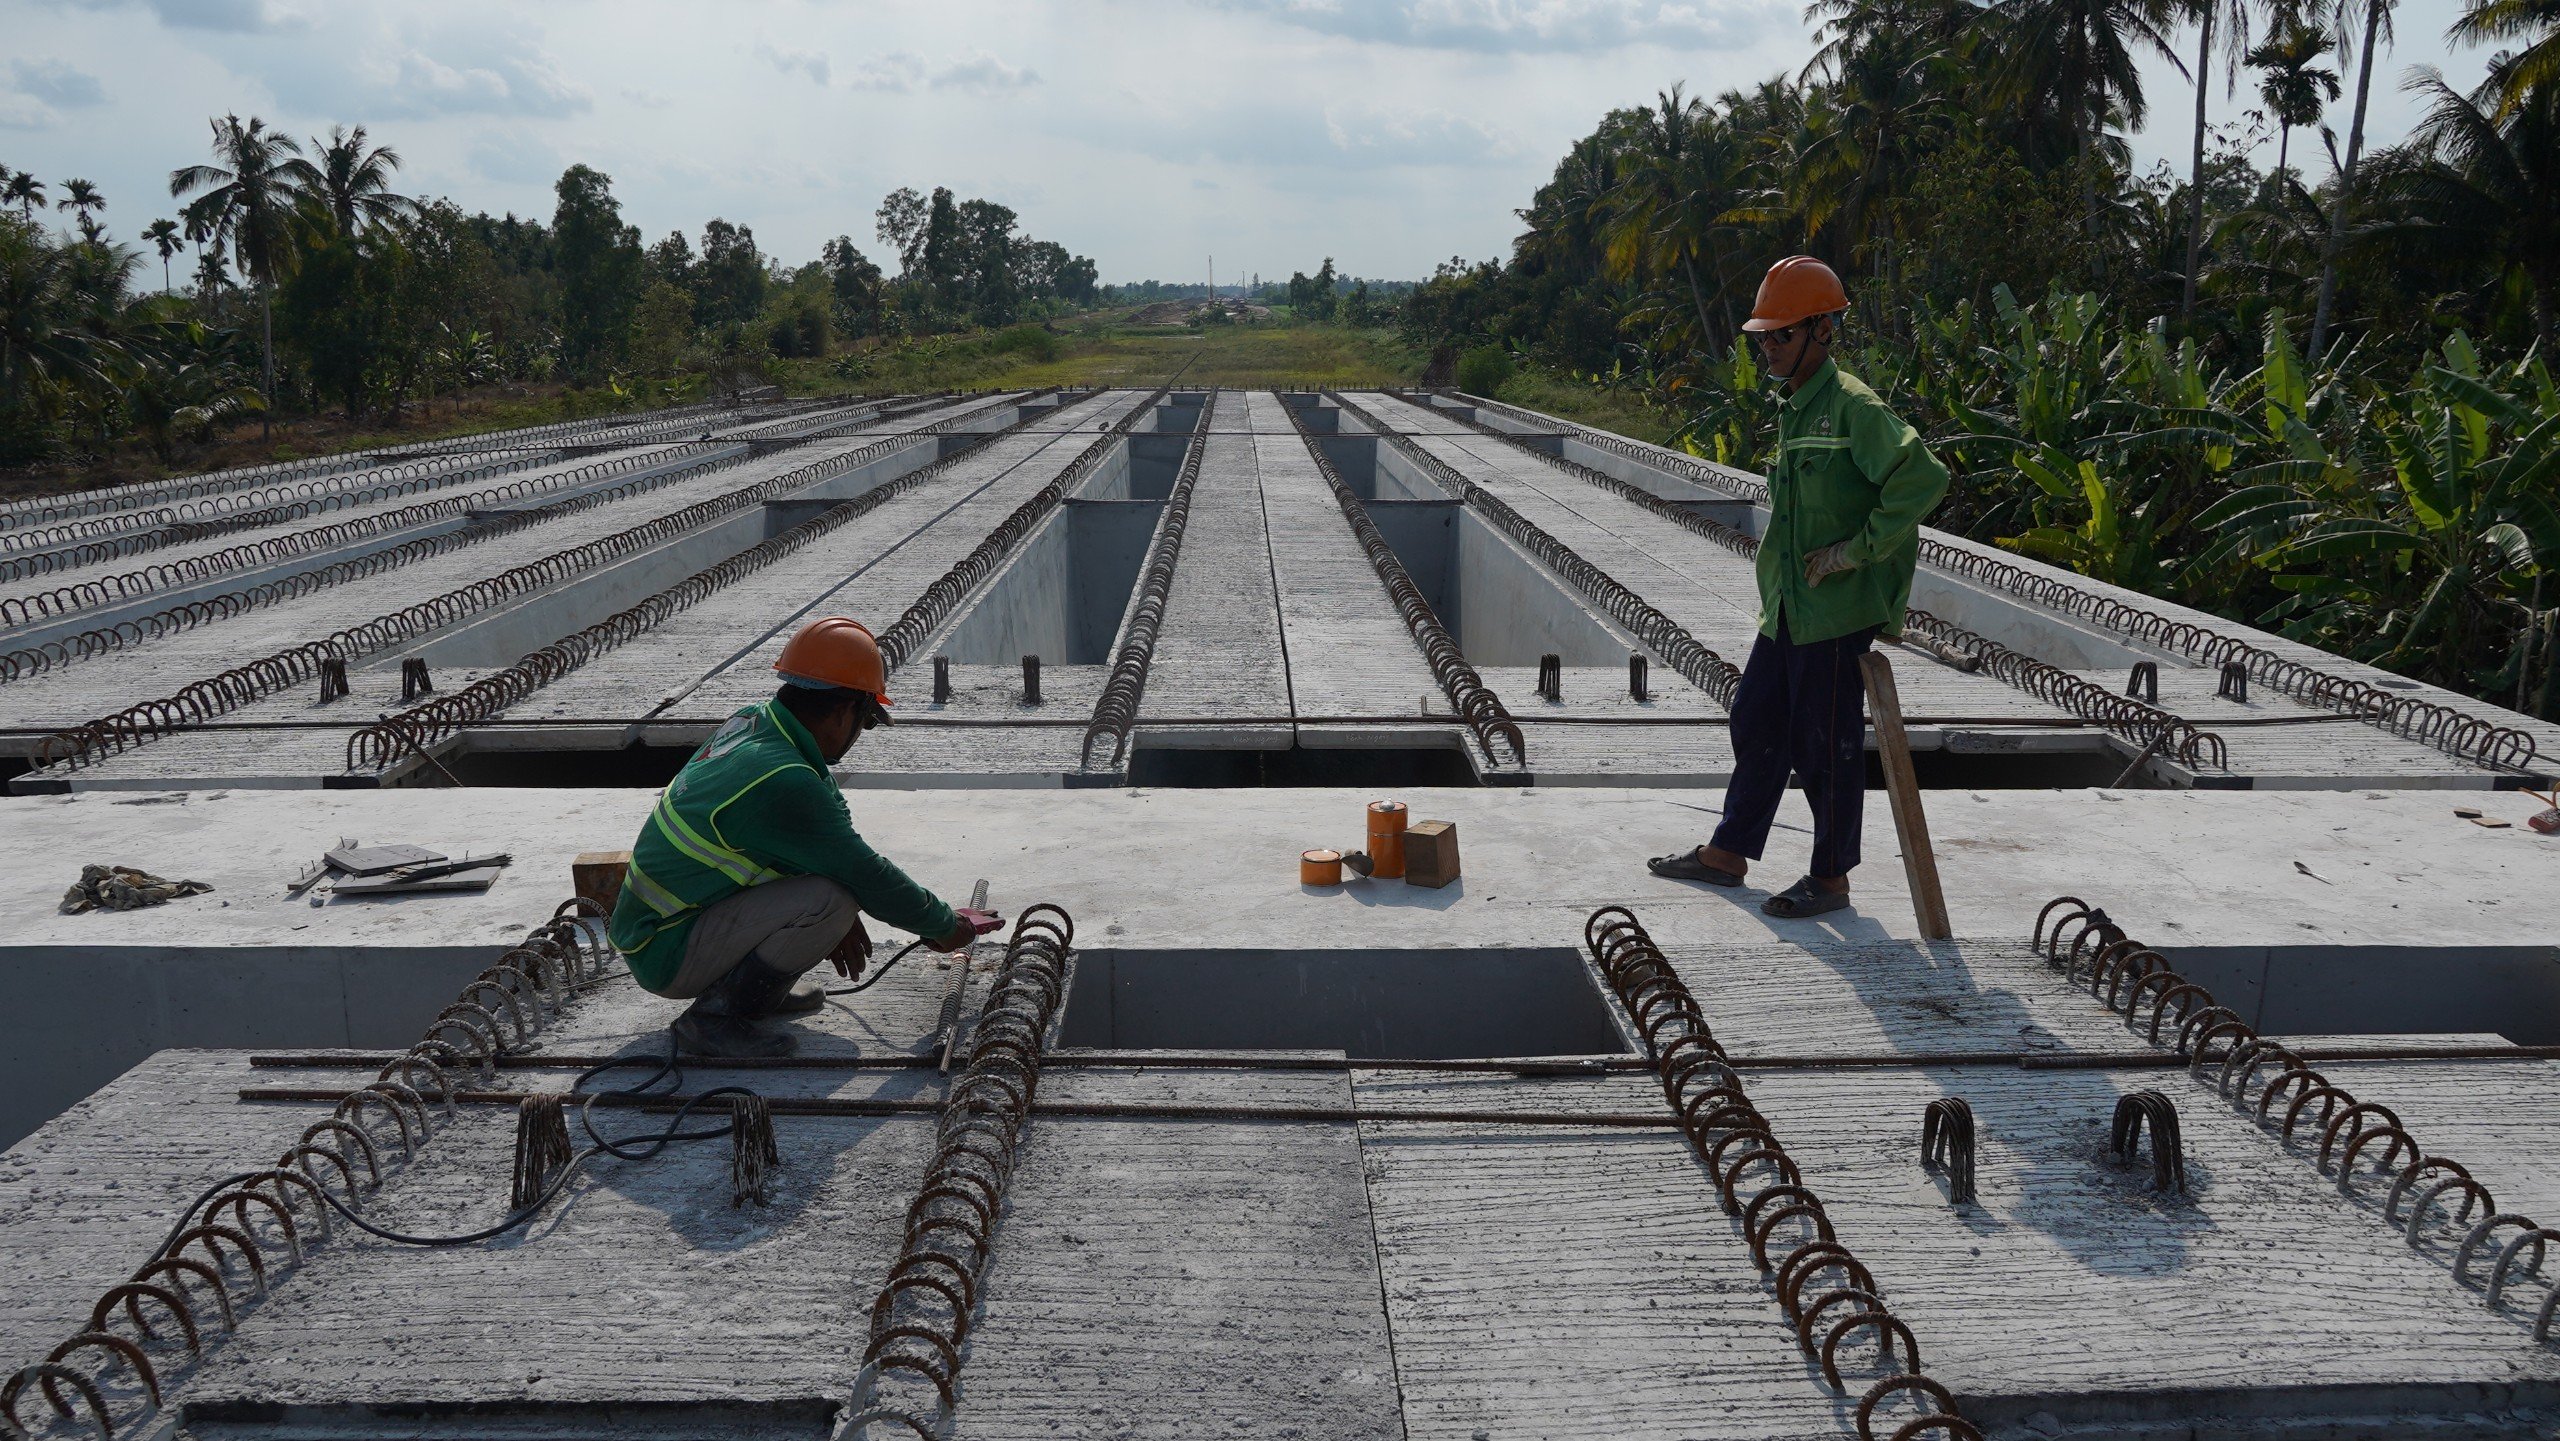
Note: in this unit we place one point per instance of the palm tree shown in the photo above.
(82, 198)
(2296, 87)
(2492, 179)
(2232, 18)
(2536, 22)
(248, 203)
(2377, 27)
(1680, 190)
(355, 182)
(1887, 108)
(164, 237)
(2080, 59)
(25, 192)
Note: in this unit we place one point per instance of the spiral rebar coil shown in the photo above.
(953, 586)
(197, 1268)
(410, 732)
(231, 689)
(1474, 701)
(921, 1320)
(2123, 714)
(1117, 711)
(1737, 1144)
(2128, 977)
(1686, 654)
(2455, 732)
(1739, 484)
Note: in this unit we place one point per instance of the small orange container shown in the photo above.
(1386, 839)
(1320, 868)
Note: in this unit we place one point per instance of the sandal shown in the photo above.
(1804, 899)
(1687, 867)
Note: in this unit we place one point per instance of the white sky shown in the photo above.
(1149, 134)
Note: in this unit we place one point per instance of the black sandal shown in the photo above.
(1687, 867)
(1804, 899)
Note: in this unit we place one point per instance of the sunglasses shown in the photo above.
(1782, 337)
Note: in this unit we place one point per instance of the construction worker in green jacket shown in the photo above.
(749, 872)
(1849, 489)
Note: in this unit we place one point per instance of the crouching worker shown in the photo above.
(749, 872)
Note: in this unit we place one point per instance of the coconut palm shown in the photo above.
(165, 238)
(2231, 19)
(247, 203)
(83, 200)
(2493, 180)
(1887, 108)
(24, 191)
(2295, 86)
(1682, 186)
(2535, 22)
(355, 180)
(2078, 62)
(2377, 28)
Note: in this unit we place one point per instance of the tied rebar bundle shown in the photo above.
(1946, 1145)
(1117, 711)
(953, 586)
(249, 1229)
(412, 731)
(1475, 702)
(1742, 1153)
(1686, 654)
(754, 1156)
(920, 1323)
(2126, 976)
(2123, 714)
(542, 1149)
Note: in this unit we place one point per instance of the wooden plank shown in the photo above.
(1902, 783)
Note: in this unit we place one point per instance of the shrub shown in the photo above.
(1031, 341)
(1483, 370)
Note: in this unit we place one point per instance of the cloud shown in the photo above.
(648, 99)
(477, 80)
(984, 74)
(25, 112)
(895, 73)
(1280, 136)
(55, 83)
(795, 62)
(1524, 26)
(235, 17)
(512, 157)
(448, 70)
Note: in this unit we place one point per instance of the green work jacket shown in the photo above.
(755, 804)
(1849, 470)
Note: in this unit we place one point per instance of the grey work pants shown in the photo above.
(786, 925)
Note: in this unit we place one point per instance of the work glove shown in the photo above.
(1829, 560)
(973, 924)
(853, 952)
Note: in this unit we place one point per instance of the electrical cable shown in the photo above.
(666, 1078)
(867, 982)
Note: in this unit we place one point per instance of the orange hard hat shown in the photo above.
(838, 651)
(1796, 288)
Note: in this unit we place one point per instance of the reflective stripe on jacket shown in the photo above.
(1848, 469)
(755, 804)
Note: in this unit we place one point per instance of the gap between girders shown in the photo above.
(937, 518)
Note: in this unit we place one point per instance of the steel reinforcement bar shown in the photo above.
(1742, 1153)
(899, 642)
(2455, 732)
(2137, 721)
(920, 1322)
(1117, 710)
(2131, 979)
(210, 1269)
(233, 688)
(1475, 702)
(30, 660)
(376, 747)
(1684, 652)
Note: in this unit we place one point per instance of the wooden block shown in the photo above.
(1431, 853)
(597, 876)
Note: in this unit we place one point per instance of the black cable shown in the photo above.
(867, 982)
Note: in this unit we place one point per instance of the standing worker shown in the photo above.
(1851, 485)
(749, 871)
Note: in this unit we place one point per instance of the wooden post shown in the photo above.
(1919, 862)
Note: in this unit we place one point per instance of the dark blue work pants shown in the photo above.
(1801, 708)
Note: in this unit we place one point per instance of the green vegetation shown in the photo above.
(1105, 350)
(2319, 404)
(327, 302)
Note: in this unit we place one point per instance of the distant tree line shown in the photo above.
(316, 287)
